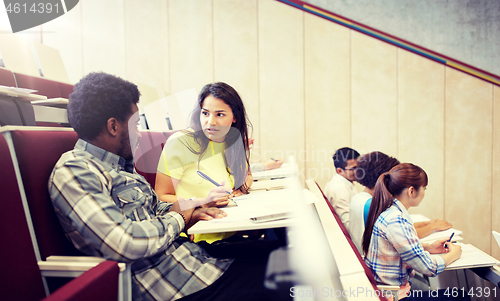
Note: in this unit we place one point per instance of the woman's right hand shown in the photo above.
(454, 253)
(217, 197)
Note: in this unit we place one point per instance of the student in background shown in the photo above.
(393, 249)
(216, 144)
(340, 189)
(370, 167)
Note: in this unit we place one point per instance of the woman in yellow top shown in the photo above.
(216, 144)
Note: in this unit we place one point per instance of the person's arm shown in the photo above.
(165, 187)
(80, 188)
(403, 237)
(428, 227)
(448, 250)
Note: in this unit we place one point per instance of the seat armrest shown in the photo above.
(100, 283)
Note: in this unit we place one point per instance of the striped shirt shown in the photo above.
(395, 250)
(109, 210)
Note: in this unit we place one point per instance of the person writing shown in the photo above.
(390, 242)
(214, 149)
(370, 167)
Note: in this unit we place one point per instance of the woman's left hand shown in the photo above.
(236, 192)
(437, 247)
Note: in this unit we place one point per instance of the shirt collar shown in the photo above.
(345, 180)
(402, 208)
(111, 159)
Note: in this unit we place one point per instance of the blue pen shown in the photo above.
(274, 160)
(204, 176)
(450, 238)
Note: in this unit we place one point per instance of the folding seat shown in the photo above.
(149, 152)
(20, 275)
(43, 86)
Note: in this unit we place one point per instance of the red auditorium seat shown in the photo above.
(66, 89)
(97, 284)
(148, 154)
(18, 265)
(37, 152)
(43, 86)
(7, 78)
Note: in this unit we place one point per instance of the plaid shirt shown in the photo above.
(395, 250)
(109, 210)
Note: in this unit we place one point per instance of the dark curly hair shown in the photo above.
(98, 97)
(370, 166)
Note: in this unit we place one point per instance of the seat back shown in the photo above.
(37, 151)
(66, 89)
(43, 86)
(7, 78)
(18, 265)
(148, 154)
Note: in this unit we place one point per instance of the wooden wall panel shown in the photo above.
(146, 33)
(236, 55)
(327, 94)
(495, 201)
(191, 44)
(373, 95)
(468, 157)
(103, 37)
(421, 90)
(281, 81)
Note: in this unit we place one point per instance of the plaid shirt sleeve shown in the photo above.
(99, 218)
(403, 237)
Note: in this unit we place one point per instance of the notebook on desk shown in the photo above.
(472, 257)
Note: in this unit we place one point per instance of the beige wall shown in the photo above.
(310, 86)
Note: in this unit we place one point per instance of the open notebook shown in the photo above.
(472, 257)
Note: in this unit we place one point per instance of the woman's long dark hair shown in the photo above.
(389, 185)
(236, 139)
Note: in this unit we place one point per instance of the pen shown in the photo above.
(274, 160)
(204, 176)
(451, 237)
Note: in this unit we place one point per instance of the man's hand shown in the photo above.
(205, 214)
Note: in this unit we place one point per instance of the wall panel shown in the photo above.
(236, 55)
(495, 201)
(65, 34)
(281, 81)
(468, 145)
(327, 94)
(191, 44)
(373, 95)
(146, 33)
(103, 36)
(421, 90)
